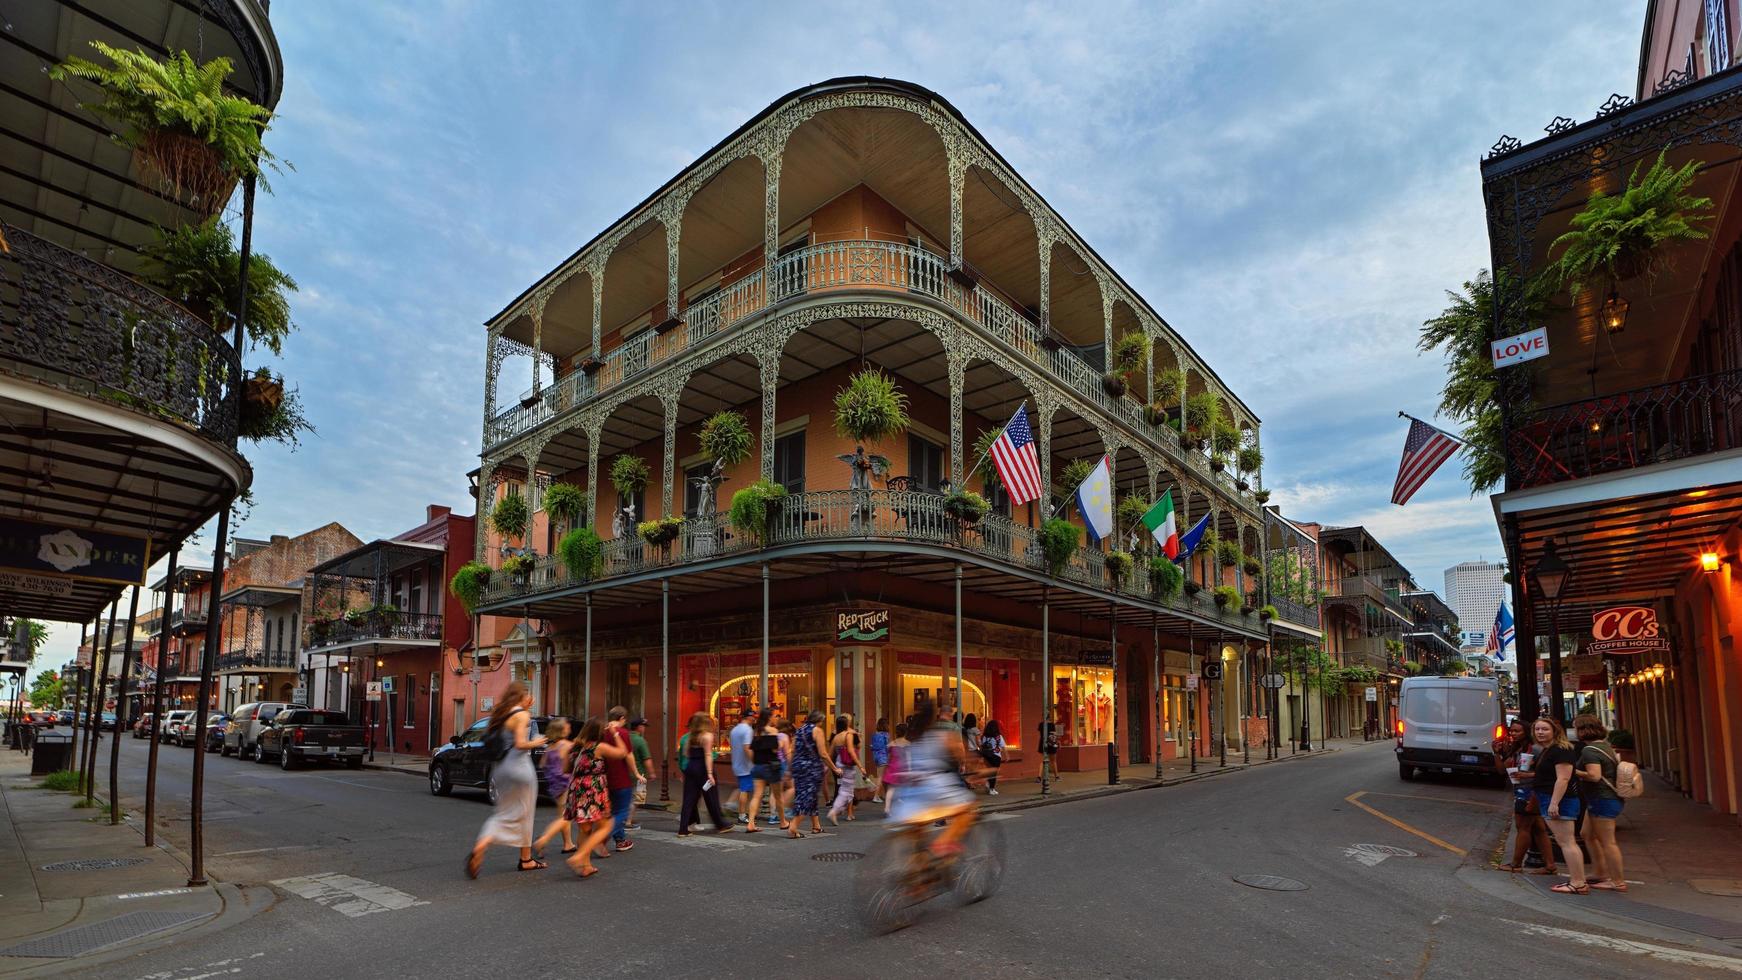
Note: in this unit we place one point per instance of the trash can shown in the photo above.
(53, 752)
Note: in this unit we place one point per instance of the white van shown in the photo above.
(1448, 724)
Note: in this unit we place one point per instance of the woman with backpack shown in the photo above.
(516, 781)
(992, 752)
(1598, 769)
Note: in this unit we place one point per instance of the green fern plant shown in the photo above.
(510, 516)
(582, 553)
(1130, 353)
(1228, 552)
(870, 408)
(1226, 596)
(196, 265)
(182, 126)
(565, 503)
(1059, 539)
(749, 511)
(468, 584)
(628, 475)
(725, 436)
(1165, 578)
(983, 455)
(1620, 236)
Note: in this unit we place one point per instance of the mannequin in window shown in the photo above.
(1065, 704)
(1101, 714)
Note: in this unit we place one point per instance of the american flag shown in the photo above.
(1423, 452)
(1014, 455)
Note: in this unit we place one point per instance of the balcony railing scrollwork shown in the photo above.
(247, 659)
(375, 627)
(1691, 417)
(81, 325)
(894, 516)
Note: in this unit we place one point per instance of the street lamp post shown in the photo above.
(1551, 575)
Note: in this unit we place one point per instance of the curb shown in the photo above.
(1143, 784)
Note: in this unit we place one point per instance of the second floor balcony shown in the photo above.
(387, 627)
(249, 660)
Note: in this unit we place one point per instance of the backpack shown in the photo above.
(498, 743)
(1628, 783)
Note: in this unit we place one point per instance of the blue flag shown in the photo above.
(1188, 542)
(1503, 634)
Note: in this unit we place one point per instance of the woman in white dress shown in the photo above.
(511, 824)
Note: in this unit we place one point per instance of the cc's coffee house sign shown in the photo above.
(862, 626)
(1626, 630)
(34, 549)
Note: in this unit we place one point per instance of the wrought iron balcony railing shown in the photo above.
(892, 266)
(1691, 417)
(83, 326)
(1367, 590)
(252, 659)
(1299, 613)
(894, 516)
(375, 627)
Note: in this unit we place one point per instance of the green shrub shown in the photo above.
(749, 512)
(468, 584)
(1226, 596)
(726, 437)
(1059, 539)
(870, 408)
(582, 553)
(1165, 578)
(966, 506)
(1120, 563)
(510, 516)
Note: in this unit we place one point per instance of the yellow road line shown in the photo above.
(1435, 799)
(1355, 798)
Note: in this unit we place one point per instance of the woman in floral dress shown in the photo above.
(809, 760)
(588, 803)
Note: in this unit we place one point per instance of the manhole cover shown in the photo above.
(837, 856)
(1271, 883)
(93, 864)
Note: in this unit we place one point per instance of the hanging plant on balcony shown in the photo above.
(1228, 553)
(1226, 596)
(519, 567)
(1119, 565)
(511, 516)
(1218, 461)
(983, 456)
(1413, 668)
(1249, 603)
(1225, 438)
(750, 505)
(1203, 411)
(1114, 384)
(1190, 587)
(1058, 542)
(1130, 354)
(1165, 578)
(185, 131)
(198, 266)
(565, 503)
(1070, 478)
(1262, 496)
(628, 475)
(1249, 458)
(1621, 236)
(1170, 385)
(1251, 565)
(1267, 613)
(468, 584)
(870, 408)
(660, 533)
(270, 411)
(725, 436)
(582, 553)
(1128, 520)
(966, 506)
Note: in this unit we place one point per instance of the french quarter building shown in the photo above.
(859, 223)
(1623, 444)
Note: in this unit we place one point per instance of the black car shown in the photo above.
(464, 761)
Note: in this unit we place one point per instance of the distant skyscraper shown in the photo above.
(1475, 589)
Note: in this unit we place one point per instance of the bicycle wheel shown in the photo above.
(980, 869)
(881, 889)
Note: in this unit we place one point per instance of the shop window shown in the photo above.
(925, 463)
(789, 461)
(1083, 701)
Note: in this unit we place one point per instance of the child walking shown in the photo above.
(556, 781)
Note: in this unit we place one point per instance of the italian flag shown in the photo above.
(1161, 522)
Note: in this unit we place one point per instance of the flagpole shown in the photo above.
(1019, 407)
(1457, 439)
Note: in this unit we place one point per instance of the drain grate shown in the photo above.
(93, 864)
(836, 857)
(80, 940)
(1271, 883)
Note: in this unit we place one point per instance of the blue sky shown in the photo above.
(1293, 186)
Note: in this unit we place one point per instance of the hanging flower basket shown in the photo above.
(1114, 385)
(1217, 464)
(262, 394)
(660, 533)
(1262, 496)
(966, 506)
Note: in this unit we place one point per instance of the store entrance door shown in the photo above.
(623, 686)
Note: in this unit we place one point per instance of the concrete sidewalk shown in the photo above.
(76, 891)
(1684, 869)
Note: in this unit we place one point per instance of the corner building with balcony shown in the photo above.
(856, 223)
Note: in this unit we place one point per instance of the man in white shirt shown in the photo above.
(739, 738)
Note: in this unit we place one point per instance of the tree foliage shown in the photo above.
(47, 690)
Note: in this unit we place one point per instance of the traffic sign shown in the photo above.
(1273, 682)
(373, 691)
(1191, 682)
(387, 684)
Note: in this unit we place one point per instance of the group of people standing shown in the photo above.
(598, 774)
(1567, 792)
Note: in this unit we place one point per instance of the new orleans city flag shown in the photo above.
(1095, 501)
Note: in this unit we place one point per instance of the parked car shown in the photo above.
(1447, 725)
(172, 724)
(242, 734)
(64, 716)
(142, 728)
(215, 728)
(300, 735)
(185, 735)
(464, 761)
(107, 721)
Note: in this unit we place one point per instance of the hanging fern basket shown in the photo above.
(186, 166)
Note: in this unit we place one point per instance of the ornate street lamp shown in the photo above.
(1552, 575)
(1614, 312)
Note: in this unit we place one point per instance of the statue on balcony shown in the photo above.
(863, 466)
(623, 522)
(707, 487)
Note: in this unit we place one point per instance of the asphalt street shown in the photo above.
(369, 881)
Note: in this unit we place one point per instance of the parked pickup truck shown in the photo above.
(299, 735)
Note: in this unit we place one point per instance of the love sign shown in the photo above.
(1517, 349)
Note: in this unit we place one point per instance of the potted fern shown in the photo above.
(1165, 578)
(565, 504)
(1203, 413)
(983, 451)
(1169, 388)
(582, 553)
(1119, 565)
(510, 517)
(1262, 496)
(1247, 459)
(1072, 477)
(726, 437)
(197, 265)
(966, 506)
(1267, 613)
(1228, 553)
(1226, 596)
(1129, 355)
(1622, 236)
(628, 475)
(870, 408)
(187, 134)
(750, 506)
(1058, 542)
(1224, 441)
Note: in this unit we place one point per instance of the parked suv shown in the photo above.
(464, 761)
(242, 736)
(172, 722)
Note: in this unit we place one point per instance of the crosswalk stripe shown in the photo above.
(353, 897)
